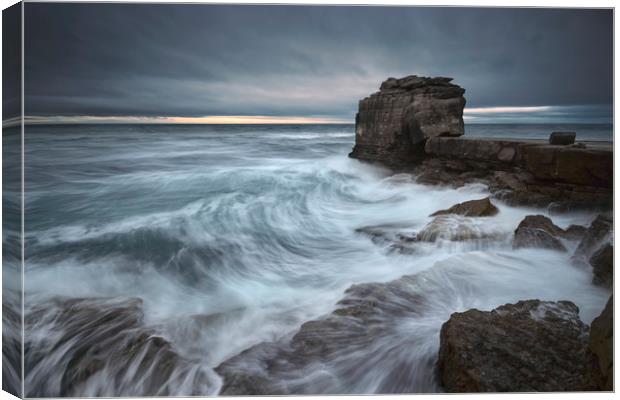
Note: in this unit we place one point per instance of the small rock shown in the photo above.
(538, 231)
(530, 346)
(454, 228)
(507, 154)
(562, 138)
(602, 262)
(472, 208)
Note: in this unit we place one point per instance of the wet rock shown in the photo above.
(538, 231)
(600, 349)
(383, 234)
(455, 228)
(472, 208)
(392, 125)
(562, 138)
(602, 262)
(100, 347)
(396, 238)
(344, 346)
(530, 346)
(597, 234)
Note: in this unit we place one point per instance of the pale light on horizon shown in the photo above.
(497, 110)
(206, 120)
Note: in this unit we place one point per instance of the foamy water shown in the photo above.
(257, 225)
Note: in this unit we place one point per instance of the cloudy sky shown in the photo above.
(184, 62)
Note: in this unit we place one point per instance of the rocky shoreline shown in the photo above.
(414, 124)
(530, 346)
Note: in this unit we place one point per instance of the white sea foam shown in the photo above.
(226, 254)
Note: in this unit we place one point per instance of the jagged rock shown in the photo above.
(602, 262)
(600, 349)
(102, 348)
(530, 346)
(596, 235)
(471, 208)
(393, 124)
(538, 231)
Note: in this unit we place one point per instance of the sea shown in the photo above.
(259, 224)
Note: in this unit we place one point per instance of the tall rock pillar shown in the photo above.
(392, 125)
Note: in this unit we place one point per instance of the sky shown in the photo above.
(221, 63)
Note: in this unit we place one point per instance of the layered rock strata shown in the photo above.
(393, 124)
(525, 172)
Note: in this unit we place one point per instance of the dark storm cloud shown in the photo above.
(195, 60)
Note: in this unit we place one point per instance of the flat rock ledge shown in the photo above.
(524, 172)
(530, 346)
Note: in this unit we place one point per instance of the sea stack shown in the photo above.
(392, 125)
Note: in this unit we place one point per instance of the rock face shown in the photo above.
(602, 262)
(393, 124)
(471, 208)
(538, 231)
(524, 172)
(530, 346)
(600, 348)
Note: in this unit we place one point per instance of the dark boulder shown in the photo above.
(562, 138)
(471, 208)
(538, 231)
(600, 349)
(602, 262)
(530, 346)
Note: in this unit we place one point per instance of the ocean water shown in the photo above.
(256, 225)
